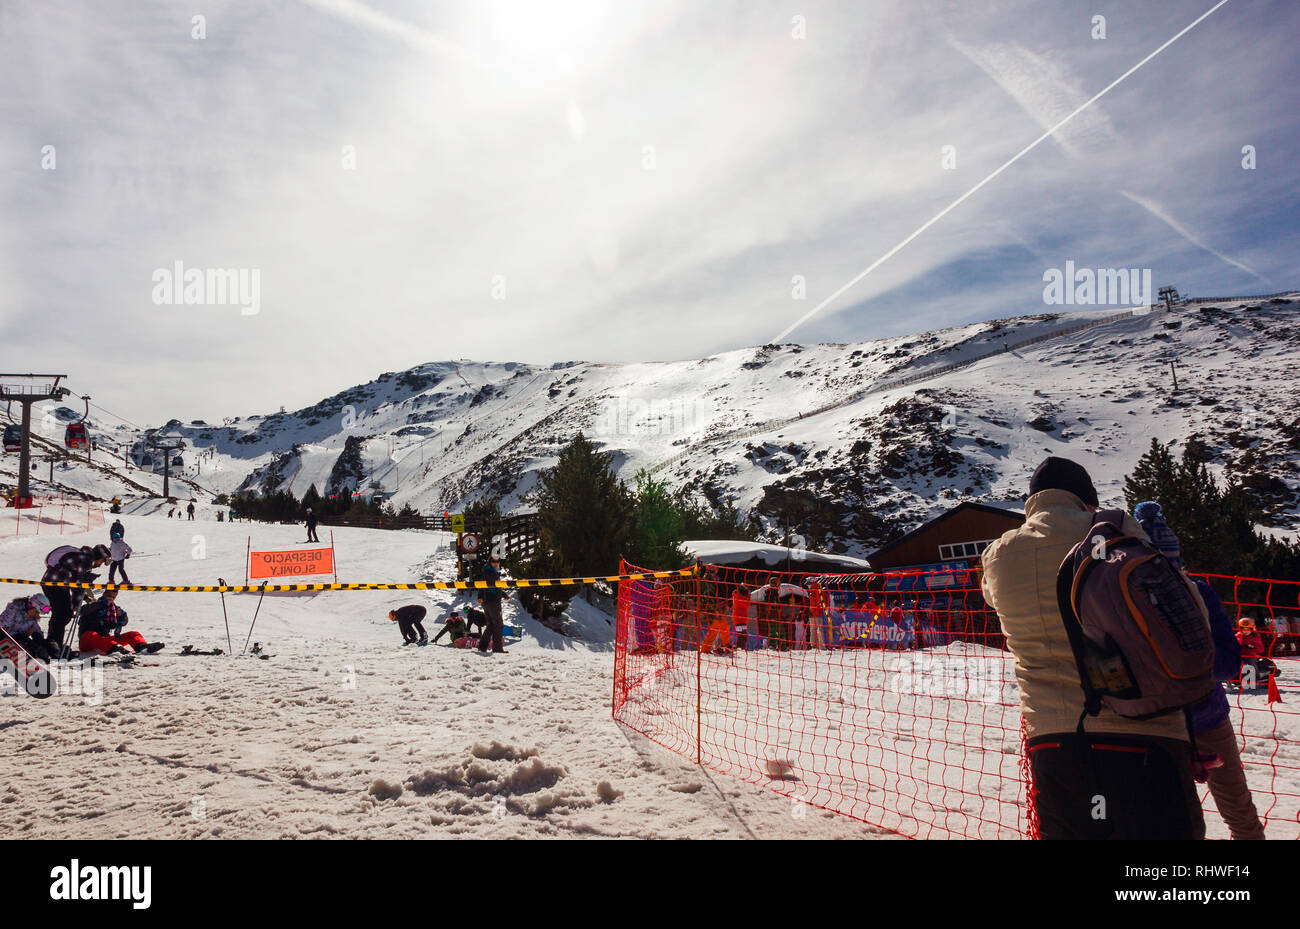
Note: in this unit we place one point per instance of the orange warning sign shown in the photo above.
(296, 563)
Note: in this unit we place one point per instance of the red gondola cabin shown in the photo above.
(75, 436)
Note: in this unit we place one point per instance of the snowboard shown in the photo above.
(34, 678)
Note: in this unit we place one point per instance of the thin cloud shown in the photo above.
(1159, 213)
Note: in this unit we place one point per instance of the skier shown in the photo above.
(69, 565)
(408, 619)
(770, 624)
(190, 509)
(119, 551)
(454, 627)
(116, 531)
(740, 603)
(718, 637)
(22, 620)
(311, 526)
(491, 602)
(475, 621)
(101, 622)
(1252, 651)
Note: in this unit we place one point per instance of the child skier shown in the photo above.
(119, 551)
(101, 621)
(22, 620)
(454, 627)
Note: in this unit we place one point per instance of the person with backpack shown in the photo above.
(101, 624)
(1097, 774)
(21, 619)
(410, 620)
(69, 564)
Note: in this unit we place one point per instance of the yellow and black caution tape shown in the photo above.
(430, 585)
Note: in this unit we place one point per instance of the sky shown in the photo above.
(396, 182)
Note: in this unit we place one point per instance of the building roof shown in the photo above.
(875, 556)
(723, 552)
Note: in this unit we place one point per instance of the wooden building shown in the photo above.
(960, 534)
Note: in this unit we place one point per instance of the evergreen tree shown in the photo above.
(585, 518)
(585, 513)
(659, 528)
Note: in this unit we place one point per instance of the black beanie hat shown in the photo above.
(1064, 474)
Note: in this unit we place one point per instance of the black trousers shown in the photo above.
(494, 632)
(311, 534)
(410, 627)
(1103, 786)
(60, 610)
(118, 567)
(35, 646)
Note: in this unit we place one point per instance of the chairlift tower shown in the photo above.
(167, 464)
(27, 389)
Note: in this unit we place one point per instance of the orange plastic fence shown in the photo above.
(891, 698)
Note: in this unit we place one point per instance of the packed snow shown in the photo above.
(344, 732)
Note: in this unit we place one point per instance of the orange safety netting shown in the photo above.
(891, 698)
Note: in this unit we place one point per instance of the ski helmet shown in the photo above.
(38, 602)
(103, 553)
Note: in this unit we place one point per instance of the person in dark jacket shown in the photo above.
(454, 627)
(101, 622)
(1212, 728)
(410, 621)
(490, 598)
(475, 621)
(311, 526)
(190, 509)
(74, 566)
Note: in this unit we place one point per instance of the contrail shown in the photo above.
(1155, 210)
(1012, 160)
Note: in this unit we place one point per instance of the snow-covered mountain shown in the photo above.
(826, 438)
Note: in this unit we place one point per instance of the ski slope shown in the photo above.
(344, 733)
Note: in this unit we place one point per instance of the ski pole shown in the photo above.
(255, 612)
(224, 615)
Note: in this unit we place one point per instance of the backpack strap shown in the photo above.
(1073, 630)
(1114, 517)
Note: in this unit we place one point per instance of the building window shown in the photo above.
(959, 550)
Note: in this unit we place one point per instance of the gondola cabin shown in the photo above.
(75, 436)
(13, 438)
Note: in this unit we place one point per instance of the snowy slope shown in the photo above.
(877, 462)
(343, 733)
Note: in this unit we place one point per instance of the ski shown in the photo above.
(32, 675)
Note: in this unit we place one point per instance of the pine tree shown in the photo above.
(1155, 477)
(659, 528)
(585, 518)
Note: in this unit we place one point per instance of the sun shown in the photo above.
(554, 33)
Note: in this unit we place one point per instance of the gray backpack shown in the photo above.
(1141, 640)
